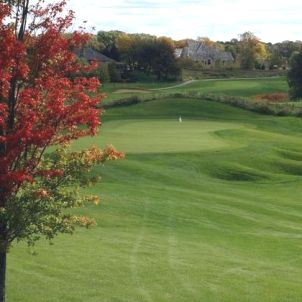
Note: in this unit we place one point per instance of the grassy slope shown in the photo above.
(113, 90)
(232, 87)
(245, 88)
(206, 210)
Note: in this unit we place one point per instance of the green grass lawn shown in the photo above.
(230, 87)
(243, 87)
(204, 210)
(116, 91)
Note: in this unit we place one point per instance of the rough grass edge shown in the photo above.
(133, 100)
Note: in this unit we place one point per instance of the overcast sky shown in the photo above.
(270, 20)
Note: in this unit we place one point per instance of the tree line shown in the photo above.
(250, 52)
(148, 54)
(155, 56)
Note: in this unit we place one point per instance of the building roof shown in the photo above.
(199, 51)
(91, 54)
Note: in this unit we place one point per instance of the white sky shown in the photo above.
(270, 20)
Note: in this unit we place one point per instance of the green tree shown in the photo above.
(114, 73)
(127, 46)
(137, 51)
(232, 47)
(247, 50)
(252, 52)
(280, 53)
(108, 39)
(103, 73)
(148, 54)
(164, 63)
(294, 76)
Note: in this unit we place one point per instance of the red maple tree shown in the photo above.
(44, 101)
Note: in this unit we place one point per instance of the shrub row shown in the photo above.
(262, 106)
(122, 102)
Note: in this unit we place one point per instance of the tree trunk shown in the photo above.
(2, 275)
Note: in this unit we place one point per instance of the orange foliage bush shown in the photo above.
(277, 97)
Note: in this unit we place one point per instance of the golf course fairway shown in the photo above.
(207, 209)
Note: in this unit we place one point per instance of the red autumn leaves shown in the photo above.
(44, 100)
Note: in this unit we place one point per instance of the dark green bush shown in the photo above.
(294, 76)
(114, 73)
(104, 73)
(122, 102)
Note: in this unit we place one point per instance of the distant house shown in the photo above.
(113, 70)
(207, 55)
(92, 55)
(178, 52)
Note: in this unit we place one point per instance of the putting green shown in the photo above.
(163, 136)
